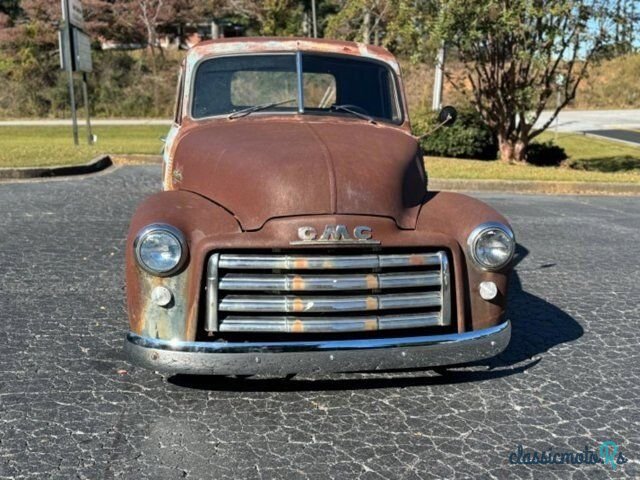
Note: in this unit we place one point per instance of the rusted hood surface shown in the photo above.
(262, 168)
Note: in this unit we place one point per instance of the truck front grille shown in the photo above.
(317, 293)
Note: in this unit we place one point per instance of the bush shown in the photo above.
(545, 154)
(622, 163)
(469, 137)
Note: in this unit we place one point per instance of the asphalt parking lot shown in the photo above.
(72, 407)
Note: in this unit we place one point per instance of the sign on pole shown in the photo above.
(74, 15)
(82, 47)
(75, 56)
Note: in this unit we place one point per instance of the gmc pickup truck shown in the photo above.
(295, 231)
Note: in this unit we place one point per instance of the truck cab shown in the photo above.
(295, 231)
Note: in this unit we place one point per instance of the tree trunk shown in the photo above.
(512, 150)
(366, 27)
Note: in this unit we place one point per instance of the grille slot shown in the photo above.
(317, 293)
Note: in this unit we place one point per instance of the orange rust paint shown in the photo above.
(300, 263)
(372, 303)
(371, 324)
(297, 283)
(298, 305)
(297, 326)
(416, 260)
(372, 281)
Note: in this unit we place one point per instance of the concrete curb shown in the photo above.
(525, 186)
(136, 159)
(96, 165)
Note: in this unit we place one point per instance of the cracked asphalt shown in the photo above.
(72, 407)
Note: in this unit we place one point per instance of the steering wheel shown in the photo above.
(355, 108)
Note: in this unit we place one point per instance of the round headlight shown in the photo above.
(492, 245)
(160, 249)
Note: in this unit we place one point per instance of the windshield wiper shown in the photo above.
(249, 110)
(344, 108)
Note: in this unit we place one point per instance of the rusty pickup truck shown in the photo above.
(295, 231)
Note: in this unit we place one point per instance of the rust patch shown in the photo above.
(297, 326)
(416, 259)
(166, 323)
(371, 324)
(298, 305)
(297, 283)
(372, 281)
(372, 303)
(300, 263)
(177, 175)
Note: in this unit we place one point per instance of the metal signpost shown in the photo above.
(315, 18)
(438, 82)
(75, 56)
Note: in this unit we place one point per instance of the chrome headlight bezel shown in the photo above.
(167, 230)
(477, 234)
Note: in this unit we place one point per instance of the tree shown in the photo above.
(9, 11)
(28, 55)
(270, 17)
(400, 25)
(517, 55)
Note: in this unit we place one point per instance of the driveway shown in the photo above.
(72, 407)
(588, 120)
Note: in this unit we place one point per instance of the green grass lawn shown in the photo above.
(47, 146)
(578, 148)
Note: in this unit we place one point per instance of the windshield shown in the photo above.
(331, 85)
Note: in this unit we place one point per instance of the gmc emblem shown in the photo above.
(335, 235)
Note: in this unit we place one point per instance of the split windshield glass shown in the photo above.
(227, 85)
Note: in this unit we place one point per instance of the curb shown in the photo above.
(525, 186)
(96, 165)
(136, 159)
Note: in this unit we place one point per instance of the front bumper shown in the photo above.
(281, 358)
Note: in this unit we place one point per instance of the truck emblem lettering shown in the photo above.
(335, 235)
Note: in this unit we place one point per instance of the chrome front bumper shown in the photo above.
(281, 358)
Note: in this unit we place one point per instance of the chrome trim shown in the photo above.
(212, 294)
(300, 82)
(334, 243)
(329, 324)
(277, 358)
(171, 230)
(445, 290)
(290, 304)
(293, 283)
(325, 262)
(475, 235)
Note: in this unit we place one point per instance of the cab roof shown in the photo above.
(240, 45)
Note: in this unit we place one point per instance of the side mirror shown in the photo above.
(447, 116)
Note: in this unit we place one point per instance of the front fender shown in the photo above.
(197, 218)
(456, 215)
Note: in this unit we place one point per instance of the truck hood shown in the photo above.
(263, 168)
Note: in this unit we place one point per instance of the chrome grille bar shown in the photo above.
(334, 324)
(290, 293)
(293, 283)
(326, 262)
(273, 303)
